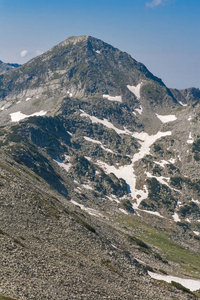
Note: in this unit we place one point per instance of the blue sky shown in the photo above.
(162, 34)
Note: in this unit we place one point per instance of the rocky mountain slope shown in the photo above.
(99, 175)
(5, 67)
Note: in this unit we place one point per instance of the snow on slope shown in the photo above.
(104, 122)
(190, 139)
(98, 143)
(135, 89)
(155, 213)
(90, 211)
(176, 217)
(127, 171)
(191, 284)
(160, 179)
(64, 165)
(162, 163)
(167, 118)
(113, 98)
(18, 116)
(139, 110)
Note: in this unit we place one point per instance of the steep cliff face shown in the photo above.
(99, 171)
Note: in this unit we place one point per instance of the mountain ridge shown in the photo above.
(99, 171)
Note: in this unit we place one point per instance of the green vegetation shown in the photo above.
(168, 249)
(111, 267)
(181, 287)
(126, 204)
(80, 221)
(3, 297)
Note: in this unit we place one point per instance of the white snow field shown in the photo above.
(135, 89)
(191, 284)
(176, 217)
(113, 98)
(167, 118)
(127, 171)
(18, 116)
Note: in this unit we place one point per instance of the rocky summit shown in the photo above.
(99, 178)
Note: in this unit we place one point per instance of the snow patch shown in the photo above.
(155, 213)
(135, 89)
(190, 139)
(195, 201)
(18, 116)
(104, 122)
(70, 94)
(182, 104)
(90, 211)
(139, 110)
(123, 211)
(88, 158)
(86, 186)
(196, 232)
(69, 133)
(162, 163)
(172, 160)
(113, 198)
(27, 99)
(97, 142)
(160, 179)
(65, 165)
(191, 284)
(140, 196)
(97, 51)
(176, 217)
(127, 171)
(113, 98)
(167, 118)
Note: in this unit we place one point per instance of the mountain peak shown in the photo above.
(74, 40)
(91, 42)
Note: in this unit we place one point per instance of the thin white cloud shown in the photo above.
(23, 53)
(154, 3)
(38, 52)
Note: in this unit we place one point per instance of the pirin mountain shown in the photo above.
(99, 178)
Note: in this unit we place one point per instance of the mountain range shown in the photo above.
(99, 178)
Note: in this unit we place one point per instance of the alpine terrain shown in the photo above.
(99, 178)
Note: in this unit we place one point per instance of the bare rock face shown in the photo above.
(99, 178)
(186, 96)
